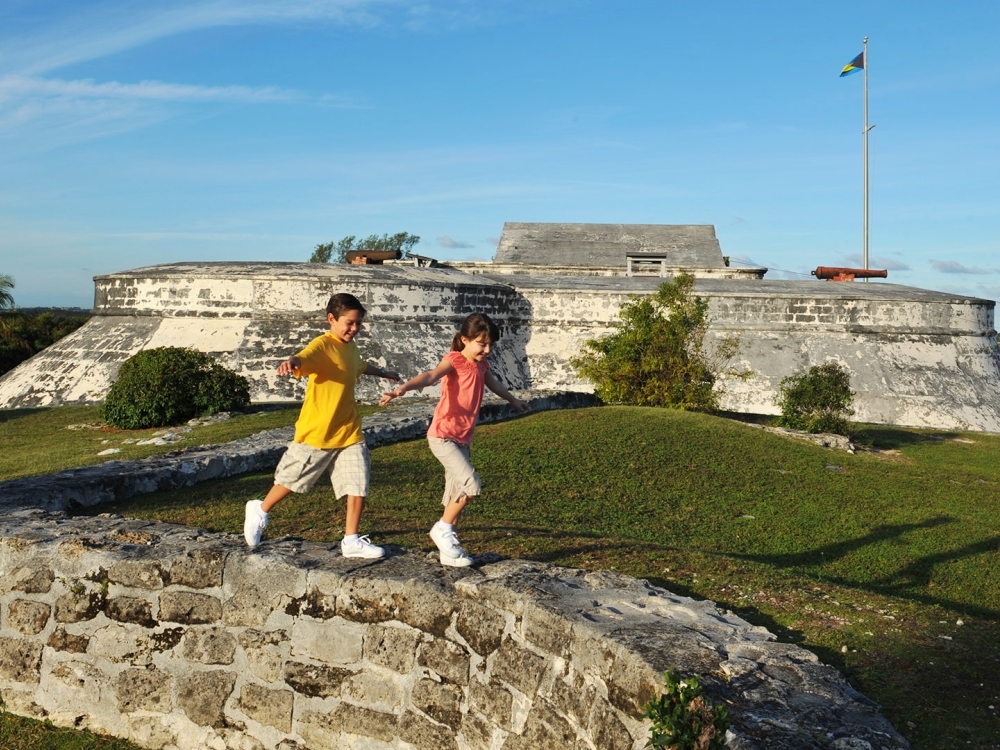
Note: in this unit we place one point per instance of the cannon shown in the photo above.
(848, 274)
(371, 257)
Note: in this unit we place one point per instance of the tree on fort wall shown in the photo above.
(336, 252)
(658, 355)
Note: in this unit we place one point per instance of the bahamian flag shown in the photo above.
(858, 63)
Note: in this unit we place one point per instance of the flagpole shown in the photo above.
(865, 60)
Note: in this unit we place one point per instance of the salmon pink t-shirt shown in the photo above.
(461, 395)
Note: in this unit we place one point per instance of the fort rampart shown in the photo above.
(916, 357)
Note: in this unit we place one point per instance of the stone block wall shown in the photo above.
(179, 638)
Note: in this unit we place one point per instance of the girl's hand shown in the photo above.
(387, 397)
(521, 406)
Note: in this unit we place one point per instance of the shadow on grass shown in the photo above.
(10, 415)
(890, 438)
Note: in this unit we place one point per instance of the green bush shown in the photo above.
(683, 719)
(817, 401)
(657, 357)
(169, 385)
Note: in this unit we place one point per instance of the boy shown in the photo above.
(328, 431)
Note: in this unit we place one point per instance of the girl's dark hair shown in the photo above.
(472, 328)
(341, 303)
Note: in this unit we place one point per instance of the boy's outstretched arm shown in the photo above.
(289, 366)
(421, 381)
(497, 387)
(379, 372)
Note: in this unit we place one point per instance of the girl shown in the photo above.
(465, 372)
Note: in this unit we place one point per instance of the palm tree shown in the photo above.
(6, 298)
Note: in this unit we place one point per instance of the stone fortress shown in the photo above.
(180, 638)
(916, 357)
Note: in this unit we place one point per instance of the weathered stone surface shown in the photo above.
(544, 730)
(249, 606)
(138, 574)
(426, 607)
(476, 732)
(60, 640)
(87, 682)
(269, 707)
(314, 604)
(209, 645)
(131, 609)
(547, 630)
(519, 667)
(365, 722)
(493, 701)
(189, 609)
(448, 659)
(482, 627)
(423, 734)
(123, 644)
(607, 730)
(439, 700)
(375, 689)
(198, 569)
(315, 680)
(20, 660)
(28, 580)
(335, 642)
(144, 690)
(264, 652)
(395, 648)
(203, 695)
(27, 616)
(77, 607)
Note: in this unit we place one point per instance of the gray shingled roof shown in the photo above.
(686, 245)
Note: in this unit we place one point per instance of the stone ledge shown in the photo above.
(510, 653)
(118, 480)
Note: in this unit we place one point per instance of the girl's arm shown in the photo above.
(497, 387)
(379, 372)
(421, 381)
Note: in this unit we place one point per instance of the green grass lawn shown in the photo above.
(869, 560)
(43, 441)
(17, 733)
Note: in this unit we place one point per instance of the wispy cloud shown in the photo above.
(14, 87)
(448, 242)
(951, 266)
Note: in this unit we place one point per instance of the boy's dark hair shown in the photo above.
(341, 303)
(472, 328)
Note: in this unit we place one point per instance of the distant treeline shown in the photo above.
(25, 332)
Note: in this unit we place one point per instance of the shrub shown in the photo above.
(683, 719)
(817, 401)
(657, 357)
(169, 385)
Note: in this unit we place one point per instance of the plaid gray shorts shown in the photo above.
(460, 478)
(303, 464)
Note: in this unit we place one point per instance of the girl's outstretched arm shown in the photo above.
(497, 387)
(421, 381)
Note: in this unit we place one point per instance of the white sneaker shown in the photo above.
(254, 522)
(452, 553)
(362, 547)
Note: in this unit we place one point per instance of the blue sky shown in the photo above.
(136, 133)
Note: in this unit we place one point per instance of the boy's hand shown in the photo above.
(521, 406)
(289, 366)
(391, 375)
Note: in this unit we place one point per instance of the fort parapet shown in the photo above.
(916, 357)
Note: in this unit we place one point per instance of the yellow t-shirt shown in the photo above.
(329, 416)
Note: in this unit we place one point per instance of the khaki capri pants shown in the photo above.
(303, 464)
(460, 478)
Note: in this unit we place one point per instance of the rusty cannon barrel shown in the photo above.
(371, 257)
(849, 274)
